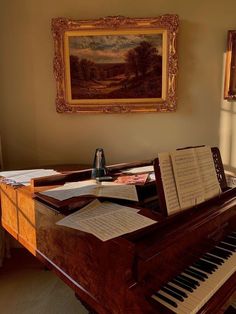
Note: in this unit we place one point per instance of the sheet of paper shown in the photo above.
(106, 220)
(24, 176)
(121, 191)
(151, 177)
(167, 176)
(231, 181)
(90, 187)
(72, 189)
(12, 173)
(187, 178)
(91, 211)
(207, 172)
(139, 170)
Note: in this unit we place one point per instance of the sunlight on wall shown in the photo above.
(227, 134)
(227, 128)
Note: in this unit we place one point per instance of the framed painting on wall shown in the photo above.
(230, 69)
(116, 64)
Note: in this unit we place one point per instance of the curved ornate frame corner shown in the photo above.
(168, 22)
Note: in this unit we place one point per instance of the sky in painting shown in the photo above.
(109, 48)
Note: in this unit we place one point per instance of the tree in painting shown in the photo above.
(116, 67)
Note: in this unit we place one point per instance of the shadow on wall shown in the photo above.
(227, 135)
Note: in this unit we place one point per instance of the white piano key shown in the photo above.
(211, 285)
(203, 290)
(172, 308)
(185, 291)
(185, 306)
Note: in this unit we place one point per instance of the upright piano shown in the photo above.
(185, 263)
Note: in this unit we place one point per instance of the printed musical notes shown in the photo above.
(106, 220)
(188, 177)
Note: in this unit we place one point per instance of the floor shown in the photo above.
(27, 288)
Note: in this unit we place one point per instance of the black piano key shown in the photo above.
(198, 272)
(159, 295)
(219, 253)
(194, 275)
(182, 285)
(226, 252)
(232, 235)
(173, 294)
(194, 282)
(230, 240)
(218, 246)
(213, 259)
(215, 251)
(180, 292)
(206, 265)
(227, 246)
(185, 282)
(200, 267)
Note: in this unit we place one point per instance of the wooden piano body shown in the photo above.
(119, 275)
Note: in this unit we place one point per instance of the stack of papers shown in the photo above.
(23, 177)
(106, 220)
(91, 187)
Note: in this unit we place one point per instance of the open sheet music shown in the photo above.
(168, 180)
(91, 187)
(106, 220)
(188, 177)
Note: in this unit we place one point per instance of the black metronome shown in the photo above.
(99, 165)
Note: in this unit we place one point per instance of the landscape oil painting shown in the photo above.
(116, 64)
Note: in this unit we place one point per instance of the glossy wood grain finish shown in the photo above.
(18, 215)
(118, 276)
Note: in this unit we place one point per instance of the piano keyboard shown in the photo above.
(190, 290)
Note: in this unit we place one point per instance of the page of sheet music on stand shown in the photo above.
(186, 178)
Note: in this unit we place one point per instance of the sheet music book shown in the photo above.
(188, 177)
(106, 220)
(91, 187)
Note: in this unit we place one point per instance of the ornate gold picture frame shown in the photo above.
(116, 64)
(230, 68)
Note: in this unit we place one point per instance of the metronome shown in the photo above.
(99, 165)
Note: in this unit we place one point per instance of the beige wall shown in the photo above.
(33, 133)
